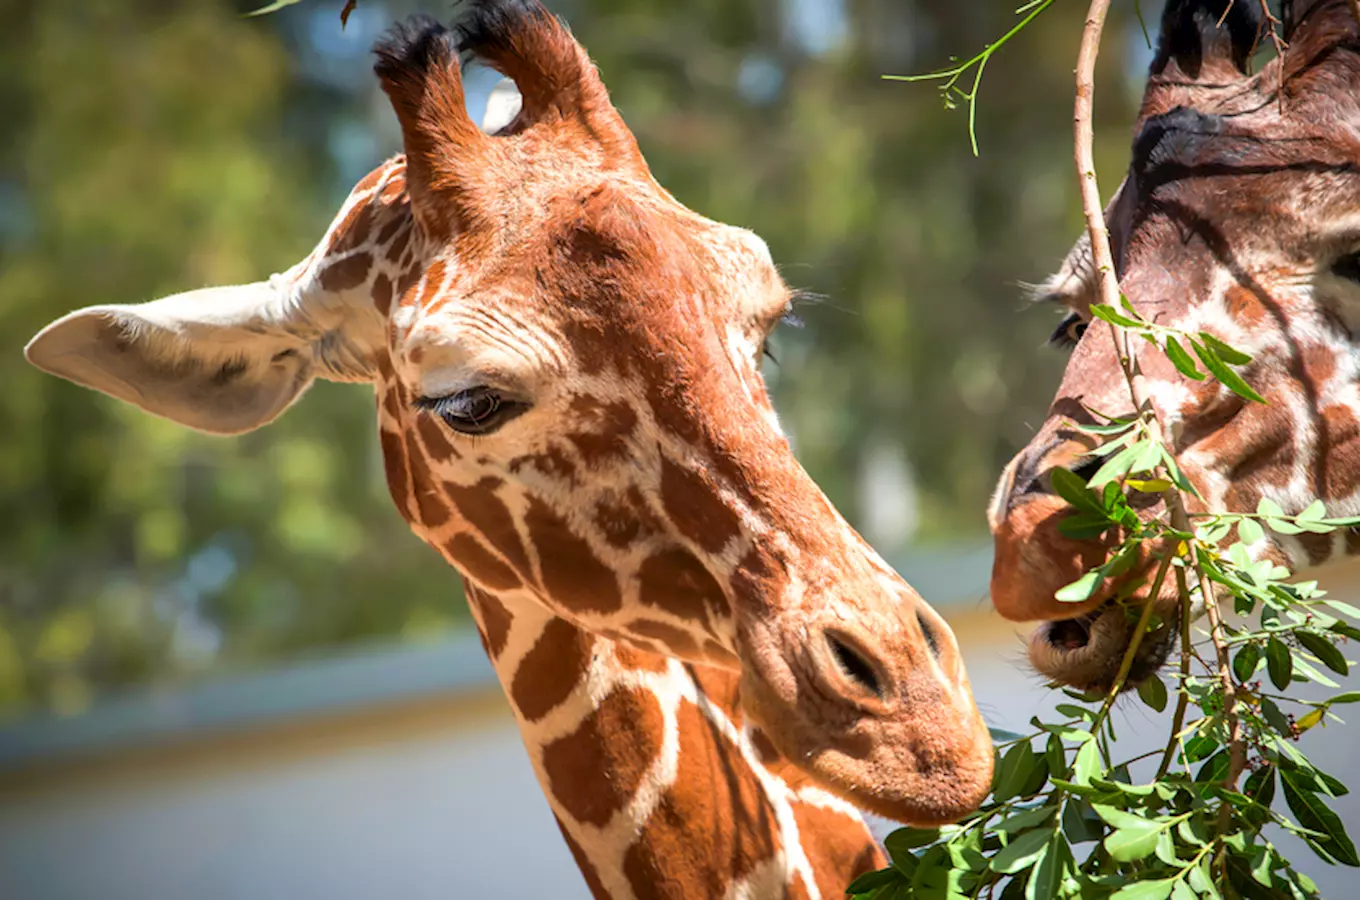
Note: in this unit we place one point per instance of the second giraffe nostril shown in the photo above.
(854, 665)
(928, 633)
(1087, 468)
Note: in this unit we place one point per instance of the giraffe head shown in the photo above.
(1238, 217)
(571, 408)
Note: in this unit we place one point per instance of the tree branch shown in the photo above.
(1108, 283)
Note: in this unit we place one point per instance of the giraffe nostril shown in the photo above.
(928, 633)
(854, 665)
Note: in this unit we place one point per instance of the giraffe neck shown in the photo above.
(659, 786)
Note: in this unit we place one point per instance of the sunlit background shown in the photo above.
(227, 669)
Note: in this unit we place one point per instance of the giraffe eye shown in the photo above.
(478, 410)
(1068, 332)
(1347, 267)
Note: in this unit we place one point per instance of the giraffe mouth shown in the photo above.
(1086, 651)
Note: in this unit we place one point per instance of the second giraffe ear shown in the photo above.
(223, 360)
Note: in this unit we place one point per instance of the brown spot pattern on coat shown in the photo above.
(842, 850)
(382, 294)
(480, 564)
(585, 865)
(490, 518)
(572, 574)
(696, 508)
(437, 446)
(677, 641)
(346, 273)
(601, 430)
(394, 467)
(551, 463)
(625, 518)
(433, 512)
(495, 619)
(551, 669)
(636, 659)
(594, 771)
(676, 581)
(713, 825)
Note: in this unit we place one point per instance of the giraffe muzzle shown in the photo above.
(875, 708)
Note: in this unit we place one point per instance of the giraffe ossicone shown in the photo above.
(1238, 218)
(705, 661)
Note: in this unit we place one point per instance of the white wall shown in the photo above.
(446, 812)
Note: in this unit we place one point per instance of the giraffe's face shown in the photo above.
(571, 410)
(1238, 220)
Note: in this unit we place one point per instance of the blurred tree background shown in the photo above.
(151, 147)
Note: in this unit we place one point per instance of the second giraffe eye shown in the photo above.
(1069, 331)
(478, 410)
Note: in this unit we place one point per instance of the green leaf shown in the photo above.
(1279, 663)
(1200, 880)
(1260, 787)
(1145, 890)
(1226, 352)
(1201, 746)
(1084, 526)
(1344, 608)
(1087, 763)
(1345, 697)
(1022, 821)
(1118, 818)
(1080, 824)
(871, 881)
(1324, 650)
(1020, 853)
(901, 842)
(1181, 360)
(1100, 311)
(1134, 837)
(1249, 531)
(1215, 770)
(1245, 663)
(1314, 513)
(1183, 891)
(1268, 507)
(1166, 850)
(1149, 485)
(1119, 464)
(1072, 488)
(1313, 814)
(1081, 590)
(1219, 369)
(1193, 831)
(1270, 711)
(1048, 869)
(1153, 692)
(1015, 770)
(1065, 732)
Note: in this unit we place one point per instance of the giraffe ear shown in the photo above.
(222, 360)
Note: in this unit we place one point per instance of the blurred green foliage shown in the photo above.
(153, 147)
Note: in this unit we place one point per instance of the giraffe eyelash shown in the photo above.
(786, 318)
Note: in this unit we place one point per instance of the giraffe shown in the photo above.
(1236, 217)
(711, 671)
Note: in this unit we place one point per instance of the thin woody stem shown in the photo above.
(1273, 24)
(1108, 283)
(1132, 652)
(1183, 700)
